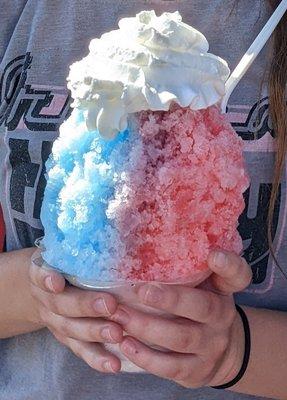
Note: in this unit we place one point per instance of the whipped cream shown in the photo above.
(146, 64)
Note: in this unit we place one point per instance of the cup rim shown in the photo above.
(90, 283)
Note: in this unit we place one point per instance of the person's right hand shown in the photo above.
(77, 317)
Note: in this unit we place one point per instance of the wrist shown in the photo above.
(30, 311)
(32, 315)
(18, 308)
(233, 358)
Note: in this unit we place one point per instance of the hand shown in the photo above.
(76, 317)
(205, 337)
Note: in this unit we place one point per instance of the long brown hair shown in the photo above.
(278, 114)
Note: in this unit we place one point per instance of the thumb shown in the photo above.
(45, 278)
(231, 273)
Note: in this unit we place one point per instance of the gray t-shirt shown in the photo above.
(39, 40)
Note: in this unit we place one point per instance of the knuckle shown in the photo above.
(184, 342)
(208, 306)
(172, 298)
(82, 303)
(181, 374)
(189, 339)
(92, 333)
(64, 327)
(91, 360)
(197, 337)
(53, 304)
(94, 364)
(146, 327)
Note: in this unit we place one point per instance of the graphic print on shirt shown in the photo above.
(255, 128)
(32, 115)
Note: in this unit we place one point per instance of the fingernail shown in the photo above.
(129, 347)
(151, 295)
(100, 307)
(121, 316)
(49, 284)
(108, 366)
(220, 259)
(106, 334)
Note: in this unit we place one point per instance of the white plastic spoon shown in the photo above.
(253, 52)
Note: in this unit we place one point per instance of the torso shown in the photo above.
(40, 40)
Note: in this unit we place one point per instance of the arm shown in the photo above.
(17, 306)
(32, 298)
(267, 369)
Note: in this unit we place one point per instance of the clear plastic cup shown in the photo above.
(125, 293)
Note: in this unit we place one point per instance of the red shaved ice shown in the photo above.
(190, 198)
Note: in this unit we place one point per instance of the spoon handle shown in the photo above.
(253, 52)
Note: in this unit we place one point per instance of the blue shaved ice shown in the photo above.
(83, 172)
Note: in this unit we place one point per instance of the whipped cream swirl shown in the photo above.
(146, 64)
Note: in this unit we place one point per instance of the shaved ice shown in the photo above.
(144, 181)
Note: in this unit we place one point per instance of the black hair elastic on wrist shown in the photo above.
(246, 351)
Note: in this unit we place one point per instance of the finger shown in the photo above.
(231, 273)
(74, 302)
(84, 329)
(46, 279)
(192, 303)
(174, 366)
(92, 353)
(178, 334)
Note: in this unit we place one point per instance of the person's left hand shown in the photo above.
(204, 340)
